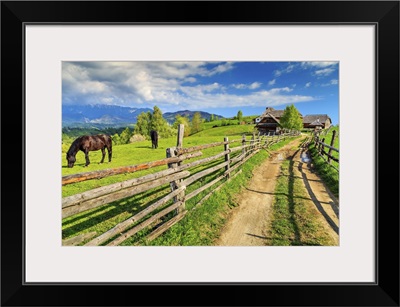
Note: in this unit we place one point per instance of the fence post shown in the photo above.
(171, 152)
(243, 144)
(227, 157)
(330, 149)
(321, 147)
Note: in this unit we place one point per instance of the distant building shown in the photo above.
(269, 121)
(317, 120)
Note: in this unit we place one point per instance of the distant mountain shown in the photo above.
(170, 116)
(100, 115)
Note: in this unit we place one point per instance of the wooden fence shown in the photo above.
(321, 148)
(177, 182)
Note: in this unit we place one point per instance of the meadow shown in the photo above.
(199, 227)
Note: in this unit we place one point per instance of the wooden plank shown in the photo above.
(329, 156)
(181, 151)
(201, 174)
(105, 199)
(215, 190)
(94, 193)
(332, 142)
(143, 225)
(204, 187)
(227, 156)
(164, 227)
(122, 170)
(78, 239)
(125, 224)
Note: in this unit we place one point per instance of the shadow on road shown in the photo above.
(316, 201)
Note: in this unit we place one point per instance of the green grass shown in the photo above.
(187, 231)
(329, 174)
(294, 222)
(202, 226)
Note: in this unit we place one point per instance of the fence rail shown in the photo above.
(176, 182)
(320, 145)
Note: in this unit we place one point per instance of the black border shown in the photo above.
(383, 14)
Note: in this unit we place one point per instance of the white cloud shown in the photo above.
(324, 72)
(308, 84)
(332, 82)
(289, 68)
(318, 64)
(252, 86)
(169, 85)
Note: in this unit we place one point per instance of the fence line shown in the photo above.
(164, 212)
(320, 145)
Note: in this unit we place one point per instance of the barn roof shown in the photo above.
(315, 119)
(273, 112)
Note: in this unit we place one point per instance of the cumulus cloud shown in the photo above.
(169, 85)
(308, 84)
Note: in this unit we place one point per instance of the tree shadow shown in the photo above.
(316, 202)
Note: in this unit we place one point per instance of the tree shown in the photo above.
(116, 139)
(239, 116)
(291, 118)
(157, 120)
(143, 124)
(125, 136)
(159, 124)
(197, 122)
(184, 121)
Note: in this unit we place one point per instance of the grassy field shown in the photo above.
(199, 227)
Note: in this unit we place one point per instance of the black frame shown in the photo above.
(383, 14)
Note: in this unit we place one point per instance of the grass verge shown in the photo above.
(294, 222)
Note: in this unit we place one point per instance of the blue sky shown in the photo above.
(221, 88)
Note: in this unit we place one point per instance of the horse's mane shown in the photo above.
(73, 149)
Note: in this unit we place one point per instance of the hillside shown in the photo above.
(101, 116)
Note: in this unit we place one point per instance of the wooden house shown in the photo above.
(317, 120)
(269, 121)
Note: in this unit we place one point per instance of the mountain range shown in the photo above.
(114, 116)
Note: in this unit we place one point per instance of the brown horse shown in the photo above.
(88, 143)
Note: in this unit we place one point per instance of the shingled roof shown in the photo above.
(315, 119)
(273, 112)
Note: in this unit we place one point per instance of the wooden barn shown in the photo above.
(269, 121)
(322, 121)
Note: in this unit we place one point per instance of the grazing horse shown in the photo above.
(154, 139)
(88, 143)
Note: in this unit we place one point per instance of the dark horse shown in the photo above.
(154, 139)
(88, 143)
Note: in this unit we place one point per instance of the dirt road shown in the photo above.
(248, 222)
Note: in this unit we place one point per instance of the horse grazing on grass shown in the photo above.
(154, 139)
(88, 143)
